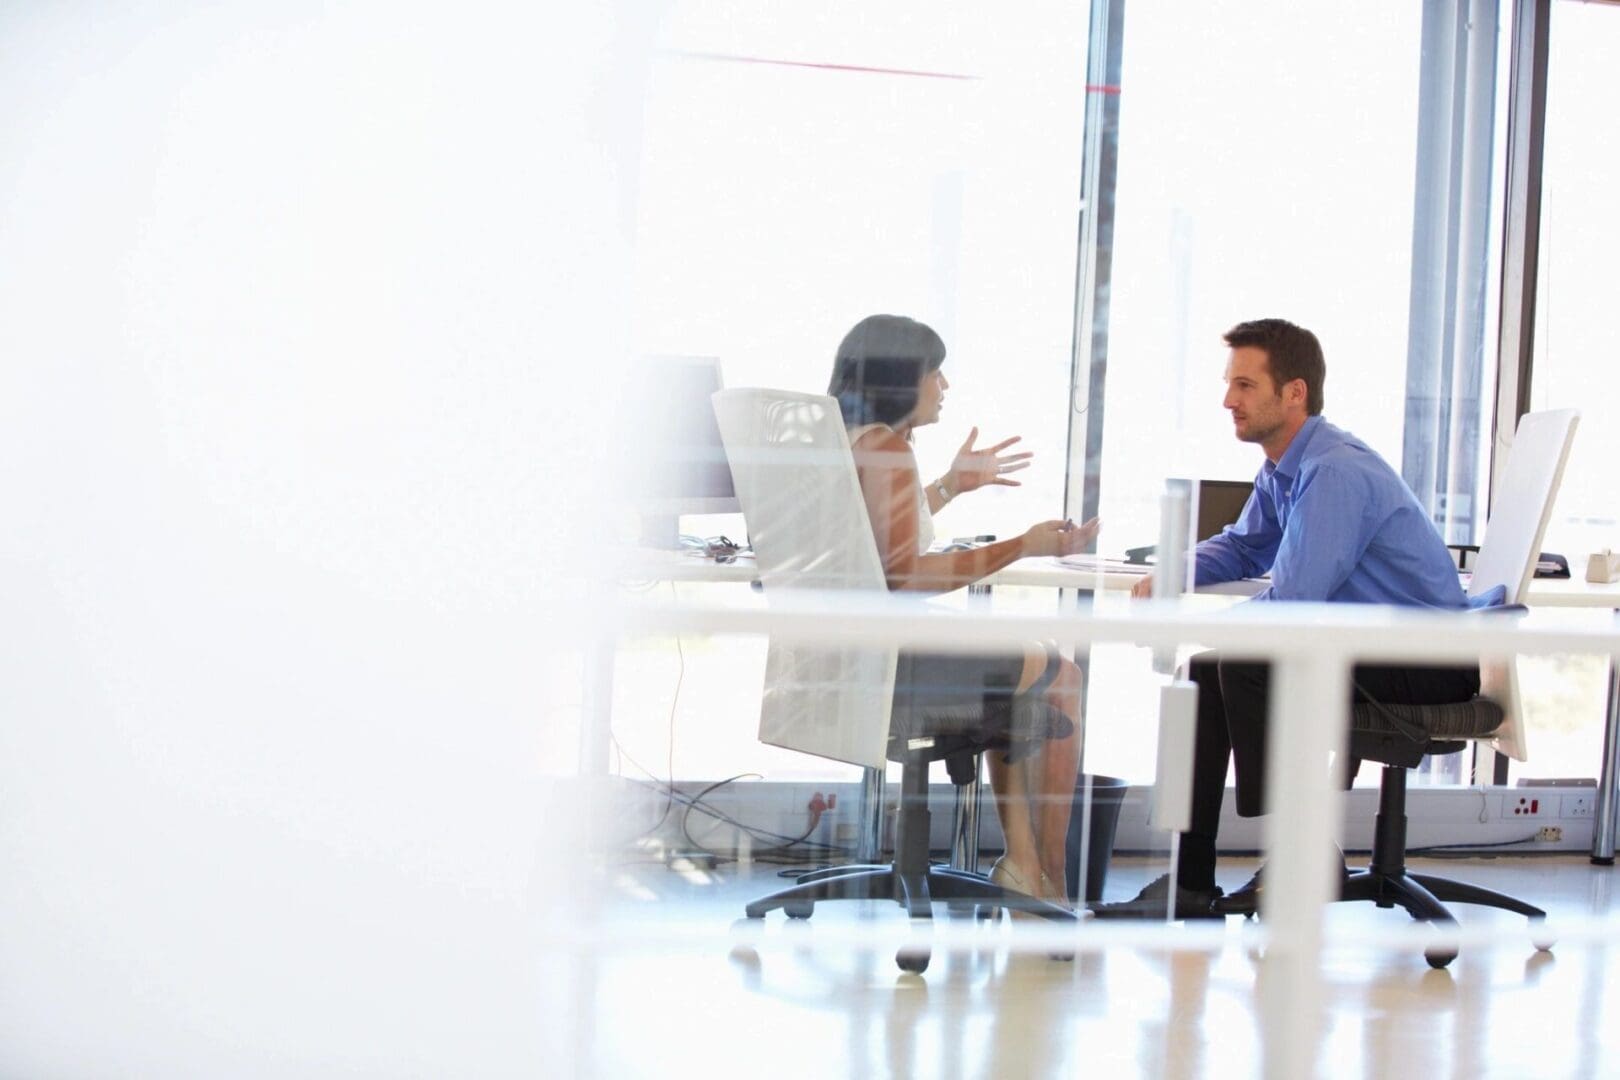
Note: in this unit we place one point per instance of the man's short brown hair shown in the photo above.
(1292, 352)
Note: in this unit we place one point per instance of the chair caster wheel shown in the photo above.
(798, 911)
(913, 960)
(1439, 958)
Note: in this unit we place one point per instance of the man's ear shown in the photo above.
(1296, 392)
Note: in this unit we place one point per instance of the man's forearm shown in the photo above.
(1213, 564)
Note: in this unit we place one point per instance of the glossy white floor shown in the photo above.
(667, 980)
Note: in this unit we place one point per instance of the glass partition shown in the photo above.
(334, 737)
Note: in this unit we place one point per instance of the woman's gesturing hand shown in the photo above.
(975, 468)
(1059, 537)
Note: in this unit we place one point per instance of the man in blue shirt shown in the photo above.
(1329, 520)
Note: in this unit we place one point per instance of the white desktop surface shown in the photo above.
(1572, 592)
(652, 564)
(1042, 572)
(1105, 575)
(672, 564)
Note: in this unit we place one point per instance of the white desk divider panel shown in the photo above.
(1520, 509)
(795, 478)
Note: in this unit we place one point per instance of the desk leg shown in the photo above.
(969, 797)
(870, 849)
(1083, 600)
(596, 718)
(1603, 824)
(1079, 838)
(1293, 999)
(965, 823)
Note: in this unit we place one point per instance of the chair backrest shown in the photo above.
(1520, 509)
(795, 477)
(1522, 504)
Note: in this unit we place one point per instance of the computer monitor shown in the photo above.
(678, 462)
(1220, 503)
(1217, 503)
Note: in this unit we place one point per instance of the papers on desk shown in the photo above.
(1103, 566)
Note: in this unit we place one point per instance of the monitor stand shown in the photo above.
(1141, 556)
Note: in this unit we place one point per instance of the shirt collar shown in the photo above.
(1288, 466)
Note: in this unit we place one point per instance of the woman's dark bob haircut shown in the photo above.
(880, 366)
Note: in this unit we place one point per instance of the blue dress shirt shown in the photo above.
(1332, 521)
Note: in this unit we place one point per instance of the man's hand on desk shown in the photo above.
(1143, 589)
(1059, 538)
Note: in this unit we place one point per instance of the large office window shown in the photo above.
(1577, 342)
(1577, 339)
(1267, 155)
(805, 166)
(800, 170)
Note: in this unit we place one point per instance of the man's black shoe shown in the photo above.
(1153, 901)
(1245, 899)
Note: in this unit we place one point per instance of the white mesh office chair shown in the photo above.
(795, 478)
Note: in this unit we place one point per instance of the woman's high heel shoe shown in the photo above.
(1050, 893)
(1006, 875)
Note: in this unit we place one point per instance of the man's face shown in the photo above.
(1252, 397)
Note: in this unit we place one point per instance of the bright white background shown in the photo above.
(300, 322)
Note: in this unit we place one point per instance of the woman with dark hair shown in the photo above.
(888, 383)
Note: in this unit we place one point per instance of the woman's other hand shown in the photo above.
(974, 469)
(1059, 538)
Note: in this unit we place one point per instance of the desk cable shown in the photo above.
(778, 844)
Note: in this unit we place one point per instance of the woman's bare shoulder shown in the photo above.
(880, 438)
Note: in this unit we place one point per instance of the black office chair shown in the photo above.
(956, 735)
(1398, 736)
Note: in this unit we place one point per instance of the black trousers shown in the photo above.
(1232, 718)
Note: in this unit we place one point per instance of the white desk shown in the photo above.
(1572, 592)
(1039, 572)
(1543, 593)
(1053, 574)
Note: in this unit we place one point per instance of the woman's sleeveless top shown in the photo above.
(925, 518)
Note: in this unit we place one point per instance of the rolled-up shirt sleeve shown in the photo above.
(1334, 516)
(1241, 550)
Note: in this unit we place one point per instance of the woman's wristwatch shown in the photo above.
(944, 493)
